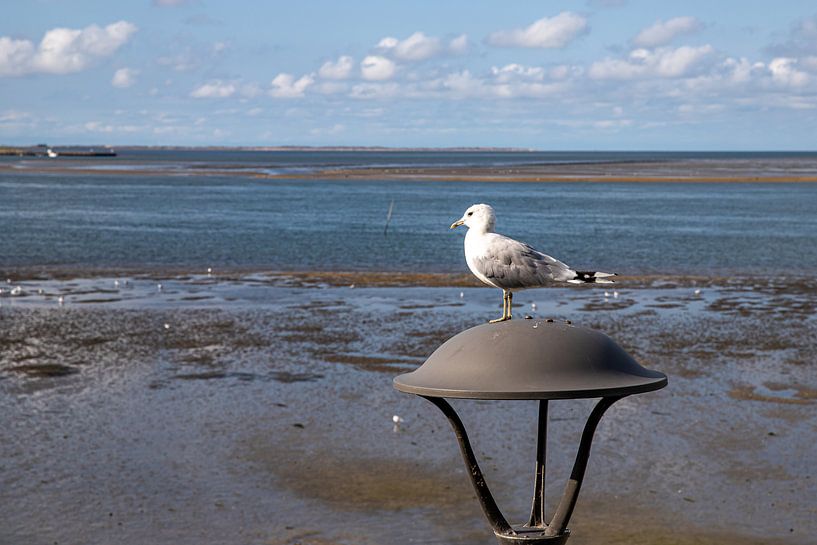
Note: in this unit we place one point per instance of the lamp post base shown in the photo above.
(532, 536)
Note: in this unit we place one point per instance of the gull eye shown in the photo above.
(470, 213)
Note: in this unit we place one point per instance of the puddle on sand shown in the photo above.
(775, 393)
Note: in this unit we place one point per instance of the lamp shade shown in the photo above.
(529, 359)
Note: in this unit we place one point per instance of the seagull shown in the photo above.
(511, 265)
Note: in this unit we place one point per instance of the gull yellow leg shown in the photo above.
(506, 307)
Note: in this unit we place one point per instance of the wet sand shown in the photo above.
(777, 170)
(257, 408)
(689, 171)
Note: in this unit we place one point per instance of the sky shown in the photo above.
(554, 75)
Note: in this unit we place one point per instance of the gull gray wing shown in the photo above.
(510, 264)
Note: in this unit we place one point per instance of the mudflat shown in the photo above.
(704, 170)
(257, 408)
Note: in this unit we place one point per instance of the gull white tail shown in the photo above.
(592, 277)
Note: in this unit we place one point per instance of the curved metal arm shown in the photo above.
(563, 513)
(486, 500)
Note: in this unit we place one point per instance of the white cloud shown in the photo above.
(741, 70)
(729, 76)
(416, 47)
(663, 32)
(377, 68)
(784, 73)
(214, 89)
(388, 43)
(644, 63)
(548, 32)
(15, 56)
(63, 50)
(459, 44)
(286, 86)
(124, 77)
(510, 81)
(512, 71)
(341, 69)
(419, 47)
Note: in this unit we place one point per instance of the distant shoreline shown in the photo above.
(363, 148)
(14, 150)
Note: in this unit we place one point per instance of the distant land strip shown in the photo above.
(544, 174)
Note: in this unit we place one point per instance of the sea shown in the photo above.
(169, 212)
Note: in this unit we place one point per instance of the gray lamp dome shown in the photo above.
(529, 359)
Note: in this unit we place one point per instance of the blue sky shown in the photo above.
(595, 74)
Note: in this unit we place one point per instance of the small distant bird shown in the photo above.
(511, 265)
(16, 290)
(116, 283)
(159, 287)
(61, 300)
(209, 271)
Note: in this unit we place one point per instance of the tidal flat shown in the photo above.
(257, 408)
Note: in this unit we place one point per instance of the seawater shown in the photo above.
(137, 220)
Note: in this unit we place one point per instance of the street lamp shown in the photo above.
(534, 360)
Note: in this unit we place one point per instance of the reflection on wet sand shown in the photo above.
(258, 408)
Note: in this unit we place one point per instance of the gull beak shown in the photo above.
(457, 223)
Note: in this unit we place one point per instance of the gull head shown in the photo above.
(479, 216)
